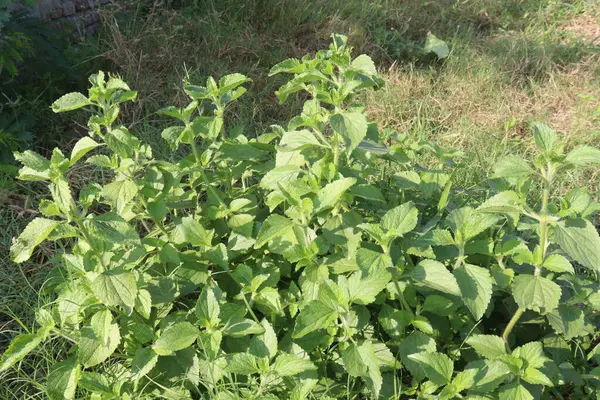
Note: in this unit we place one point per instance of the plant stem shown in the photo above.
(203, 176)
(336, 152)
(250, 308)
(547, 173)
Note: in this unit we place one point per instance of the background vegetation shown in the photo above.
(510, 62)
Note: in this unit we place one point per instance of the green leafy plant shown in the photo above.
(321, 259)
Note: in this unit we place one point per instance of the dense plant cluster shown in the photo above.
(326, 258)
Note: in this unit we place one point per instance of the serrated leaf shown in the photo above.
(558, 263)
(143, 362)
(401, 219)
(298, 140)
(475, 285)
(533, 353)
(435, 275)
(416, 342)
(351, 126)
(567, 320)
(242, 363)
(583, 155)
(503, 202)
(273, 227)
(372, 278)
(536, 293)
(119, 194)
(545, 138)
(116, 287)
(436, 46)
(231, 81)
(329, 195)
(265, 344)
(438, 367)
(290, 364)
(580, 240)
(536, 377)
(92, 350)
(514, 391)
(70, 101)
(192, 232)
(34, 233)
(467, 223)
(95, 383)
(239, 327)
(314, 316)
(364, 64)
(62, 380)
(487, 346)
(361, 361)
(513, 169)
(81, 148)
(175, 337)
(19, 347)
(207, 308)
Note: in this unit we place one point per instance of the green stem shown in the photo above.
(203, 176)
(336, 152)
(548, 175)
(249, 308)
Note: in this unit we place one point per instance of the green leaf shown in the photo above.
(111, 230)
(583, 155)
(34, 233)
(372, 278)
(116, 287)
(394, 321)
(273, 227)
(438, 367)
(298, 140)
(63, 379)
(533, 353)
(351, 126)
(514, 391)
(265, 344)
(436, 46)
(81, 148)
(231, 81)
(175, 337)
(435, 275)
(544, 136)
(467, 223)
(95, 383)
(92, 349)
(329, 195)
(361, 361)
(314, 316)
(536, 377)
(567, 320)
(487, 346)
(513, 169)
(401, 219)
(70, 101)
(290, 364)
(143, 362)
(33, 161)
(19, 347)
(504, 202)
(207, 309)
(364, 64)
(536, 293)
(416, 342)
(580, 240)
(192, 232)
(242, 363)
(475, 285)
(368, 192)
(291, 65)
(120, 193)
(240, 327)
(557, 263)
(101, 324)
